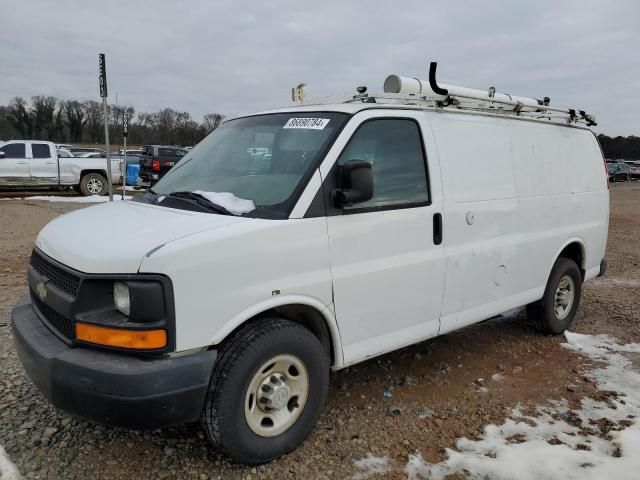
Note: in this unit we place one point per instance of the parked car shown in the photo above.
(37, 164)
(618, 171)
(157, 160)
(634, 168)
(245, 275)
(77, 151)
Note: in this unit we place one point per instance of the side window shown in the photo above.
(14, 150)
(167, 152)
(394, 149)
(40, 150)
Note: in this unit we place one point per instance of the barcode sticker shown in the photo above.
(311, 123)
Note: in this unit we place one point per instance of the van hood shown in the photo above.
(115, 237)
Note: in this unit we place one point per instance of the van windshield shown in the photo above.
(264, 159)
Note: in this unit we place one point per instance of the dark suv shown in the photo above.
(618, 171)
(156, 160)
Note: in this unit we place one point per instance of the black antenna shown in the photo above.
(432, 80)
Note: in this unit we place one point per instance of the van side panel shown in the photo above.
(516, 193)
(481, 219)
(563, 195)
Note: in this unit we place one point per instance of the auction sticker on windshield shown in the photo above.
(312, 123)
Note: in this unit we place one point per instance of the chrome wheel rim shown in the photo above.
(276, 395)
(94, 185)
(564, 298)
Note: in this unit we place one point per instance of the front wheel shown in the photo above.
(267, 391)
(555, 312)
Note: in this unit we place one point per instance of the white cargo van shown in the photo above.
(300, 240)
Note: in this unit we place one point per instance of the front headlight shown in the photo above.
(121, 298)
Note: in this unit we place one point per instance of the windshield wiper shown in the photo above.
(200, 200)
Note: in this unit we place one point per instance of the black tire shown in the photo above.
(223, 416)
(542, 313)
(89, 182)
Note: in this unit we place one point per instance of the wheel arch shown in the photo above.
(573, 249)
(306, 311)
(85, 172)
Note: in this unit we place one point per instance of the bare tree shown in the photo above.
(94, 123)
(166, 125)
(57, 131)
(211, 121)
(75, 114)
(19, 117)
(42, 110)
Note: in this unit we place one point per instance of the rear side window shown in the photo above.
(394, 149)
(167, 152)
(40, 150)
(13, 150)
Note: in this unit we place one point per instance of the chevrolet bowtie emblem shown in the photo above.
(41, 290)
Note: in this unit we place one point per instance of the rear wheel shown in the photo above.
(267, 391)
(93, 184)
(555, 312)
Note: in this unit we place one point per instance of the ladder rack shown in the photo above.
(412, 91)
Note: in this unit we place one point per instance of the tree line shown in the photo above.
(625, 148)
(73, 121)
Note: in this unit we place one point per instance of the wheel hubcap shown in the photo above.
(94, 185)
(276, 395)
(565, 295)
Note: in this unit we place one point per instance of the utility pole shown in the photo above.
(102, 80)
(125, 132)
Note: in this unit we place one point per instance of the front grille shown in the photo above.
(61, 323)
(65, 281)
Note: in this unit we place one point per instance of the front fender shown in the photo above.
(326, 311)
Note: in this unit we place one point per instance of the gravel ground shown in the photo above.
(440, 389)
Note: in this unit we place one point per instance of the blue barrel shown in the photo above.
(133, 171)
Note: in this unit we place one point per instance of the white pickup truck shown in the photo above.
(27, 164)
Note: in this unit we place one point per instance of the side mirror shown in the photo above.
(2, 154)
(357, 183)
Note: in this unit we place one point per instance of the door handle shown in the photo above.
(22, 163)
(437, 228)
(51, 162)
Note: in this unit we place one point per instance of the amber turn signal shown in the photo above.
(117, 337)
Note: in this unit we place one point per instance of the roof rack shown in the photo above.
(413, 91)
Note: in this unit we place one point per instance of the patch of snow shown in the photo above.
(8, 471)
(545, 445)
(496, 377)
(371, 465)
(74, 199)
(229, 201)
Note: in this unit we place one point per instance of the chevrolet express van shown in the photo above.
(306, 239)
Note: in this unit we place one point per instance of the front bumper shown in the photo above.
(108, 387)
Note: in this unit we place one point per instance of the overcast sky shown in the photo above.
(233, 57)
